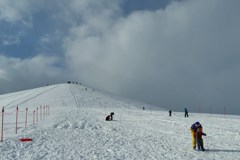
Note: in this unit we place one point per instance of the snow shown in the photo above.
(76, 128)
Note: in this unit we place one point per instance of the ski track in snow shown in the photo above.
(76, 129)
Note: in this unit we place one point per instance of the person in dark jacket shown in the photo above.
(108, 118)
(186, 112)
(170, 113)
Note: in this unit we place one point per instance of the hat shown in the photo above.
(197, 124)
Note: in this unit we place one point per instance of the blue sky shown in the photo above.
(181, 53)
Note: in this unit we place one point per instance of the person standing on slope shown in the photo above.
(186, 112)
(193, 129)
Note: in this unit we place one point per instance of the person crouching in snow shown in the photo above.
(193, 129)
(108, 118)
(199, 139)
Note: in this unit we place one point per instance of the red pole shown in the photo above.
(26, 118)
(16, 119)
(2, 124)
(37, 114)
(33, 116)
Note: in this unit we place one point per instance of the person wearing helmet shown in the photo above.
(193, 129)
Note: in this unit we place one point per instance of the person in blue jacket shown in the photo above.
(186, 112)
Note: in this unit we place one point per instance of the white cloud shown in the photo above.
(3, 75)
(18, 11)
(167, 52)
(190, 48)
(45, 39)
(19, 73)
(8, 40)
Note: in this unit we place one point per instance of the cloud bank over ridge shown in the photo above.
(182, 55)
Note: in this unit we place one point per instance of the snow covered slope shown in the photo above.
(76, 129)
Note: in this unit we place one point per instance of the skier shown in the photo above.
(193, 129)
(186, 112)
(170, 113)
(199, 135)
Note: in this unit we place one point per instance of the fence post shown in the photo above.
(40, 112)
(16, 119)
(33, 116)
(26, 118)
(37, 114)
(44, 112)
(2, 124)
(48, 110)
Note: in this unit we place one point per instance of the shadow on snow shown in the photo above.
(224, 150)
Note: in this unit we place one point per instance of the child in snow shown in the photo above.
(193, 129)
(108, 118)
(199, 139)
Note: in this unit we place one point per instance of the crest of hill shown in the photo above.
(68, 95)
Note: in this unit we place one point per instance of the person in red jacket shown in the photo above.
(199, 139)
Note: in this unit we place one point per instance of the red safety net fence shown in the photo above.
(15, 118)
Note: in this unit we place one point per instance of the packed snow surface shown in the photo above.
(75, 128)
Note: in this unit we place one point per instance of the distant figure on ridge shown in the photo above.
(170, 113)
(186, 112)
